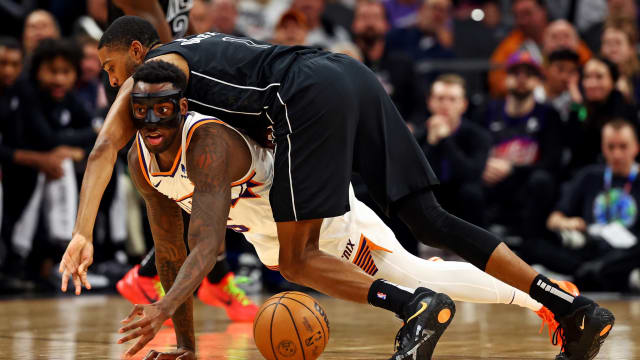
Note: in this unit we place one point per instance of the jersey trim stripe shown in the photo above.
(196, 125)
(234, 85)
(184, 197)
(293, 200)
(244, 179)
(143, 163)
(223, 109)
(171, 172)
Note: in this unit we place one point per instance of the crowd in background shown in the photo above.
(526, 109)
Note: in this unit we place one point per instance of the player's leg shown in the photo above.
(399, 178)
(314, 127)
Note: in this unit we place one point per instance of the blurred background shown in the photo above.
(527, 111)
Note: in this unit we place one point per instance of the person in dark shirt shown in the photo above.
(457, 149)
(602, 102)
(601, 200)
(395, 70)
(526, 151)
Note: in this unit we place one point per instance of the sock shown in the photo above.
(550, 295)
(388, 296)
(220, 270)
(148, 265)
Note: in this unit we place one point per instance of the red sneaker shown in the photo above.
(547, 316)
(141, 289)
(227, 295)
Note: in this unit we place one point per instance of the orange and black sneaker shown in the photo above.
(547, 316)
(141, 289)
(227, 295)
(583, 331)
(426, 318)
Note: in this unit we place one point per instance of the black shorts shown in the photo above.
(332, 117)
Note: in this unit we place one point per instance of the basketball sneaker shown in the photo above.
(227, 295)
(547, 316)
(583, 331)
(141, 289)
(426, 318)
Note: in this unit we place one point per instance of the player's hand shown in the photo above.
(51, 165)
(180, 354)
(146, 328)
(75, 262)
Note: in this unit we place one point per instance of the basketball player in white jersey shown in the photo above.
(172, 161)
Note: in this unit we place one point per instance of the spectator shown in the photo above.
(619, 41)
(402, 13)
(616, 9)
(94, 22)
(560, 34)
(322, 32)
(40, 24)
(602, 102)
(89, 89)
(530, 23)
(457, 150)
(200, 16)
(291, 29)
(223, 17)
(597, 211)
(429, 39)
(395, 71)
(487, 33)
(348, 48)
(562, 75)
(526, 152)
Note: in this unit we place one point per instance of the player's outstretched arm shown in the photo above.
(114, 135)
(166, 223)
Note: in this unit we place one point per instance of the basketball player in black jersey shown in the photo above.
(330, 117)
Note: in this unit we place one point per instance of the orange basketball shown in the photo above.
(291, 325)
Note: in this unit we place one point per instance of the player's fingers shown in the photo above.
(65, 281)
(137, 310)
(152, 354)
(139, 345)
(138, 324)
(82, 270)
(76, 283)
(133, 335)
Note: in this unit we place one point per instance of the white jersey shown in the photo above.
(352, 236)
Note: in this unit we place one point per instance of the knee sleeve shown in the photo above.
(435, 227)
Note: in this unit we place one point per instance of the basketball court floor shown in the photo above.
(85, 327)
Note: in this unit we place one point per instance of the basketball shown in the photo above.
(291, 325)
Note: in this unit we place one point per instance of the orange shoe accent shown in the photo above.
(547, 316)
(444, 316)
(605, 330)
(227, 295)
(141, 289)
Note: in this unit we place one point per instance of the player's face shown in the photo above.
(118, 64)
(10, 66)
(521, 81)
(447, 100)
(559, 74)
(57, 77)
(157, 138)
(596, 81)
(620, 148)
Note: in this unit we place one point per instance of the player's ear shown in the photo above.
(184, 107)
(136, 51)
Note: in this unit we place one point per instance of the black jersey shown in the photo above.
(176, 13)
(233, 78)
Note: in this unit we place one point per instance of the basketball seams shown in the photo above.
(293, 321)
(324, 337)
(273, 315)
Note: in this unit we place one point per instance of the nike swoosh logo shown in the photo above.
(582, 326)
(423, 307)
(158, 184)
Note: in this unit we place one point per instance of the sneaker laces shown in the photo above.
(549, 319)
(558, 334)
(236, 292)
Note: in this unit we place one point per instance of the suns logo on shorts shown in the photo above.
(363, 258)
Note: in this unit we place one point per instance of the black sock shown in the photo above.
(148, 265)
(220, 270)
(555, 299)
(388, 296)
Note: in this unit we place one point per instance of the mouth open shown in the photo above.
(154, 138)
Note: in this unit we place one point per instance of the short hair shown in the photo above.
(451, 79)
(10, 43)
(49, 49)
(158, 71)
(619, 123)
(564, 55)
(127, 29)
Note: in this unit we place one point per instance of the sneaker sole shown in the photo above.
(598, 329)
(439, 321)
